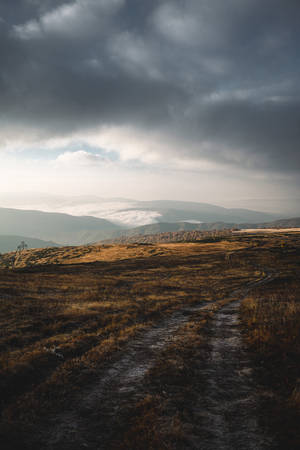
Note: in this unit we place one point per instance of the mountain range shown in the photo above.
(57, 227)
(65, 229)
(130, 213)
(175, 211)
(159, 228)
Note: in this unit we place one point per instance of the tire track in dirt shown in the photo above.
(227, 409)
(91, 423)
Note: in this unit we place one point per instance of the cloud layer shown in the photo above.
(211, 81)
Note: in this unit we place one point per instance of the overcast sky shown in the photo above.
(148, 99)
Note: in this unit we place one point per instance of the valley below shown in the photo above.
(185, 345)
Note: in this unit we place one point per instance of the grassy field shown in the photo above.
(66, 313)
(271, 323)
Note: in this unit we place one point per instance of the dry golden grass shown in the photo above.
(267, 230)
(174, 381)
(271, 319)
(146, 429)
(66, 313)
(159, 419)
(80, 254)
(60, 323)
(107, 252)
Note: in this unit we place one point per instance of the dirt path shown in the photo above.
(91, 424)
(227, 409)
(118, 384)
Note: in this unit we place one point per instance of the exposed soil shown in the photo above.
(226, 409)
(91, 425)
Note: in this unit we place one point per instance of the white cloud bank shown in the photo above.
(78, 159)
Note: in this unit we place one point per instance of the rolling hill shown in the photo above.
(162, 227)
(164, 216)
(175, 211)
(10, 243)
(282, 223)
(61, 228)
(154, 230)
(130, 213)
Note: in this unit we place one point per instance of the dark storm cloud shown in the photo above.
(213, 71)
(262, 135)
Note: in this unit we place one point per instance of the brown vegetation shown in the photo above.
(271, 320)
(173, 385)
(175, 236)
(61, 324)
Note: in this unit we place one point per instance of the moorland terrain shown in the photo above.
(157, 346)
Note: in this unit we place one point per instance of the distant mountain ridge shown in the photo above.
(162, 227)
(175, 211)
(10, 243)
(207, 226)
(156, 231)
(282, 223)
(66, 229)
(61, 228)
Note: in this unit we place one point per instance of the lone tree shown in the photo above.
(22, 246)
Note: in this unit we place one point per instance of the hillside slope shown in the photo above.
(10, 243)
(66, 229)
(163, 227)
(174, 211)
(61, 228)
(185, 231)
(282, 223)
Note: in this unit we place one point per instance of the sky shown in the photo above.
(184, 99)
